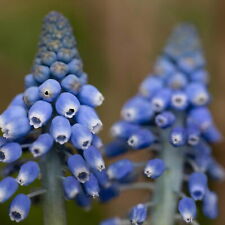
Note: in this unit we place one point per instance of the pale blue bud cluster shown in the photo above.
(170, 109)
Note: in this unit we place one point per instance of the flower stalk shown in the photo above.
(168, 185)
(54, 206)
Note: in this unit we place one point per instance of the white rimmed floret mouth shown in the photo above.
(193, 140)
(70, 112)
(95, 126)
(187, 217)
(176, 139)
(134, 222)
(157, 104)
(161, 120)
(46, 93)
(36, 120)
(4, 155)
(82, 176)
(61, 139)
(179, 100)
(98, 99)
(85, 143)
(129, 114)
(94, 194)
(148, 172)
(133, 141)
(36, 151)
(201, 99)
(16, 214)
(100, 165)
(20, 180)
(198, 193)
(7, 131)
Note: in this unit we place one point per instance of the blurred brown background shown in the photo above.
(118, 41)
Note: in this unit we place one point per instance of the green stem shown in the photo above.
(169, 185)
(54, 208)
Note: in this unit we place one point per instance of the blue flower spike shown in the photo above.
(55, 119)
(19, 208)
(187, 209)
(170, 120)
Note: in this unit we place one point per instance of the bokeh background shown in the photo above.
(118, 41)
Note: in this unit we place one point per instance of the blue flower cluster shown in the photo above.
(171, 107)
(56, 109)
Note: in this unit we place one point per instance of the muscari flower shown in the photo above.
(168, 114)
(57, 109)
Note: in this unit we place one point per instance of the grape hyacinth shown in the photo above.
(169, 115)
(55, 122)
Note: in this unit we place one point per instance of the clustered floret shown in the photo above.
(171, 101)
(56, 109)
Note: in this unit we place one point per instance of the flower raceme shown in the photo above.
(56, 115)
(56, 112)
(169, 115)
